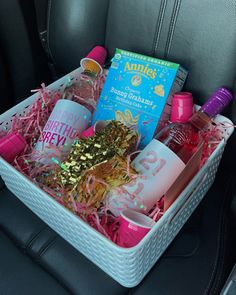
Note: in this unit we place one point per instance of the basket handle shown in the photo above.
(175, 214)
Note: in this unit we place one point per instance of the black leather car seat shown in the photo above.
(5, 87)
(21, 50)
(199, 35)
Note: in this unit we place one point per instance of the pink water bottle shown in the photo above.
(72, 114)
(82, 91)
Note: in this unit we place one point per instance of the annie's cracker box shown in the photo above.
(138, 92)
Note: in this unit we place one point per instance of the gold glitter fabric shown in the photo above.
(100, 179)
(94, 166)
(114, 139)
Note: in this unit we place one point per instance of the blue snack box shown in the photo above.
(138, 92)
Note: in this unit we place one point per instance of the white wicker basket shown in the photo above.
(126, 266)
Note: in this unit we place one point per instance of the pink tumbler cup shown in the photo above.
(133, 227)
(95, 60)
(12, 145)
(182, 107)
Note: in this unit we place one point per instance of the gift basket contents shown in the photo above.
(116, 147)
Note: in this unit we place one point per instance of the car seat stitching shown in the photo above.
(207, 289)
(48, 29)
(159, 24)
(215, 282)
(222, 259)
(37, 260)
(33, 238)
(47, 245)
(106, 26)
(173, 21)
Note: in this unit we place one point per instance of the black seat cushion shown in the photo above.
(33, 258)
(193, 259)
(20, 275)
(35, 241)
(21, 49)
(189, 32)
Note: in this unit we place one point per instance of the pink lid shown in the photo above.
(11, 146)
(88, 132)
(182, 107)
(99, 54)
(98, 126)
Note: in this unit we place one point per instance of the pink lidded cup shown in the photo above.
(133, 227)
(12, 145)
(182, 107)
(95, 60)
(98, 126)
